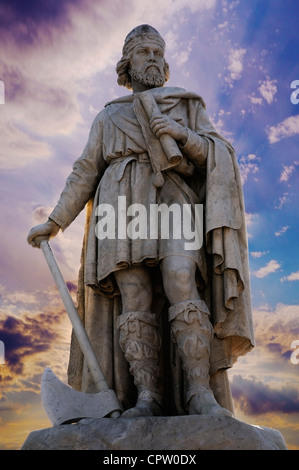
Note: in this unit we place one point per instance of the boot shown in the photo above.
(192, 332)
(140, 341)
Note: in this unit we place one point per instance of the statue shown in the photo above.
(166, 319)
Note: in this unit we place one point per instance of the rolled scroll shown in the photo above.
(169, 145)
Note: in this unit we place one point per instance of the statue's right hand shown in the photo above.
(42, 232)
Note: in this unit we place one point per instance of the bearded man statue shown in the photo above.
(166, 318)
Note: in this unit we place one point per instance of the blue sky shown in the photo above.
(57, 63)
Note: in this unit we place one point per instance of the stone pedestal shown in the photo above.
(157, 433)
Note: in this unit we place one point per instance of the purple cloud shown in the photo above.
(32, 13)
(26, 337)
(254, 398)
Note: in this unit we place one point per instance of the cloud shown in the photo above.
(40, 214)
(286, 128)
(268, 90)
(170, 7)
(255, 100)
(19, 149)
(26, 337)
(282, 200)
(291, 277)
(287, 171)
(255, 397)
(248, 165)
(250, 218)
(50, 56)
(271, 267)
(281, 231)
(276, 326)
(258, 254)
(181, 57)
(235, 65)
(33, 327)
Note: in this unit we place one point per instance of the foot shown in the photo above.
(145, 406)
(204, 402)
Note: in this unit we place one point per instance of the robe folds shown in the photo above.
(118, 160)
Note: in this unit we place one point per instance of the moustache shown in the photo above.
(149, 65)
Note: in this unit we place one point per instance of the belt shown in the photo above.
(123, 161)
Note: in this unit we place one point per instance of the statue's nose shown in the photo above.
(151, 57)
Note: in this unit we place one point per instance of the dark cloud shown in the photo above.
(254, 397)
(278, 349)
(33, 11)
(27, 23)
(26, 336)
(287, 355)
(71, 286)
(274, 348)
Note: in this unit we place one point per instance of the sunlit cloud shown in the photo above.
(265, 384)
(270, 267)
(255, 397)
(287, 128)
(275, 330)
(28, 335)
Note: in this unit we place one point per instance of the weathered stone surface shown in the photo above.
(157, 433)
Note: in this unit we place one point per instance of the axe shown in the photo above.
(62, 403)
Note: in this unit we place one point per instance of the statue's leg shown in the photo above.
(191, 331)
(140, 340)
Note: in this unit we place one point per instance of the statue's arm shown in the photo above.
(196, 148)
(83, 180)
(79, 188)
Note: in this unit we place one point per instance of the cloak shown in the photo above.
(224, 282)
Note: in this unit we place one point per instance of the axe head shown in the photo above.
(65, 405)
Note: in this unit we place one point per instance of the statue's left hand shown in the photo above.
(165, 125)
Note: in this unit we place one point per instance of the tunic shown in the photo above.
(117, 162)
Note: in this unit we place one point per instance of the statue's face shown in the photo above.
(147, 58)
(147, 64)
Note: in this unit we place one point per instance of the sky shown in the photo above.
(57, 71)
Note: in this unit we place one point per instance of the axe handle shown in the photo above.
(79, 329)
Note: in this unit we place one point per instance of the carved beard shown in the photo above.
(154, 79)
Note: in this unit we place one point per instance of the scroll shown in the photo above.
(164, 152)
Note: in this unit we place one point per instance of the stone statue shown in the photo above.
(166, 319)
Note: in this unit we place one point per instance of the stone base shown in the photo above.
(196, 432)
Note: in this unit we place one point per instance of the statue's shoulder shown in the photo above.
(161, 94)
(98, 120)
(120, 101)
(178, 93)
